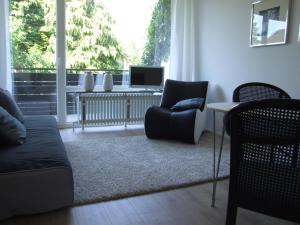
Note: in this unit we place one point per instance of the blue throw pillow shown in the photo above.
(12, 131)
(8, 103)
(191, 103)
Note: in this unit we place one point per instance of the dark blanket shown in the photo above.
(43, 148)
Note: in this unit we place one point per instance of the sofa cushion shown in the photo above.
(12, 131)
(42, 149)
(35, 177)
(8, 103)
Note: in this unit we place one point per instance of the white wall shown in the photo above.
(226, 60)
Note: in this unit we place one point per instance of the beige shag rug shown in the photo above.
(110, 168)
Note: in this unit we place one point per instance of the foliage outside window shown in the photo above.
(157, 48)
(91, 43)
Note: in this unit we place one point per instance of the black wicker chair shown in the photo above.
(254, 91)
(258, 91)
(265, 159)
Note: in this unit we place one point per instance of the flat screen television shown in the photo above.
(146, 77)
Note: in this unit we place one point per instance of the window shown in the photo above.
(101, 36)
(32, 32)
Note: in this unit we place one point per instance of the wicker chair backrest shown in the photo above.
(258, 91)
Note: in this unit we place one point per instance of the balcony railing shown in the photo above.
(35, 88)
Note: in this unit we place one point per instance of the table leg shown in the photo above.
(220, 153)
(214, 163)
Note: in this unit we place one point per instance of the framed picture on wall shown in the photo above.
(269, 22)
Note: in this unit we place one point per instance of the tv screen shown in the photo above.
(146, 77)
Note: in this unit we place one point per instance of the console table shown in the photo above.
(113, 108)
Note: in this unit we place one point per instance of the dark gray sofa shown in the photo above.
(35, 177)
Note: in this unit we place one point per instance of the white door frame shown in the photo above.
(5, 57)
(61, 61)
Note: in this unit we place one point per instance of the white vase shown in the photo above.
(108, 82)
(89, 82)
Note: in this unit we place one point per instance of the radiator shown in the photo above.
(114, 108)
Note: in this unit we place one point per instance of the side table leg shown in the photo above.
(214, 163)
(220, 152)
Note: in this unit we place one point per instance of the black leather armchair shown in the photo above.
(181, 114)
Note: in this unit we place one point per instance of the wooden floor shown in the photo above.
(185, 206)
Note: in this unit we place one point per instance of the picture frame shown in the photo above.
(269, 22)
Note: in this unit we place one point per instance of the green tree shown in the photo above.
(90, 40)
(30, 35)
(157, 48)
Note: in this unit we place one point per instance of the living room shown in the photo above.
(120, 175)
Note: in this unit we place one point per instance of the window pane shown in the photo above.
(110, 35)
(32, 30)
(142, 29)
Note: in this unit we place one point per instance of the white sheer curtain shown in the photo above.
(183, 57)
(5, 58)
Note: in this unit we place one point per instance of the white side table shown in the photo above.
(222, 107)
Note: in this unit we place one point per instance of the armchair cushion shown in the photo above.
(191, 103)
